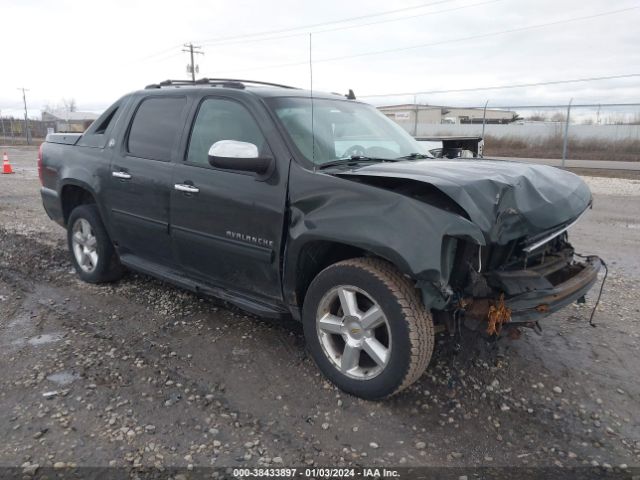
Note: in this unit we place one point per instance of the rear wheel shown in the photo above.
(366, 327)
(92, 252)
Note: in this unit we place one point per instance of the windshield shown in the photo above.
(343, 129)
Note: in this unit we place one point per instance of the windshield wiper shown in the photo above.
(415, 156)
(354, 160)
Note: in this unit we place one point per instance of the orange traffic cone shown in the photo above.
(6, 166)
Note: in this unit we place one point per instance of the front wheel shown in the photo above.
(366, 328)
(92, 252)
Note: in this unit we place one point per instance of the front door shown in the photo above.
(227, 226)
(140, 181)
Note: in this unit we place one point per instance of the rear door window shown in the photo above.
(156, 127)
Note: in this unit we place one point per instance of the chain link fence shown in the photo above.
(13, 132)
(592, 131)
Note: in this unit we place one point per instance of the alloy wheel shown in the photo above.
(354, 332)
(85, 245)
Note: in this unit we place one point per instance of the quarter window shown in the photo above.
(220, 119)
(104, 124)
(155, 128)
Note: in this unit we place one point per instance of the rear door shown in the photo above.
(140, 181)
(227, 230)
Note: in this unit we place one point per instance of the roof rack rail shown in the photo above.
(237, 80)
(215, 82)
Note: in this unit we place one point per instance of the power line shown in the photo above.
(503, 87)
(443, 42)
(474, 37)
(264, 36)
(533, 107)
(322, 24)
(461, 7)
(166, 55)
(349, 27)
(212, 41)
(163, 52)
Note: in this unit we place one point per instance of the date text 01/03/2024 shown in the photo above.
(315, 473)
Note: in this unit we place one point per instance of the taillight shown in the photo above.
(40, 164)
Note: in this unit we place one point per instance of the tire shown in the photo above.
(396, 349)
(92, 253)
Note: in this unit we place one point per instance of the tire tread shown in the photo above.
(419, 320)
(111, 268)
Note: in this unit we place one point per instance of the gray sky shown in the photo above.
(97, 51)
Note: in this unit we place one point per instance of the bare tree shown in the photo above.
(70, 104)
(514, 118)
(615, 119)
(537, 117)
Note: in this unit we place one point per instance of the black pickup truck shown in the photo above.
(320, 208)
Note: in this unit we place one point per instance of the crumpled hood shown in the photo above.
(506, 200)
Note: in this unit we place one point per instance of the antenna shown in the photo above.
(313, 135)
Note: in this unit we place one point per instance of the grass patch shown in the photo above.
(551, 147)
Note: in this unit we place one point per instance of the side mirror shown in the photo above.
(236, 155)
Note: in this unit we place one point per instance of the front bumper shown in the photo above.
(534, 305)
(526, 296)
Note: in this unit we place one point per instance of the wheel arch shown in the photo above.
(73, 194)
(314, 256)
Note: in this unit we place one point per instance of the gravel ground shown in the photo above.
(140, 373)
(614, 186)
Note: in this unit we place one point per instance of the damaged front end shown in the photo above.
(524, 267)
(484, 241)
(513, 285)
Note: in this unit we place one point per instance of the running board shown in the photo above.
(248, 304)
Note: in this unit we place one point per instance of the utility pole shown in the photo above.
(26, 121)
(415, 123)
(192, 50)
(484, 124)
(565, 143)
(4, 137)
(484, 116)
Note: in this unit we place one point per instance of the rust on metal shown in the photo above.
(495, 312)
(543, 307)
(498, 314)
(476, 308)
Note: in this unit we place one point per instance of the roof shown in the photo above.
(68, 116)
(259, 88)
(413, 106)
(409, 106)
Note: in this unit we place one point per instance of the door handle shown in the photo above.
(181, 187)
(122, 175)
